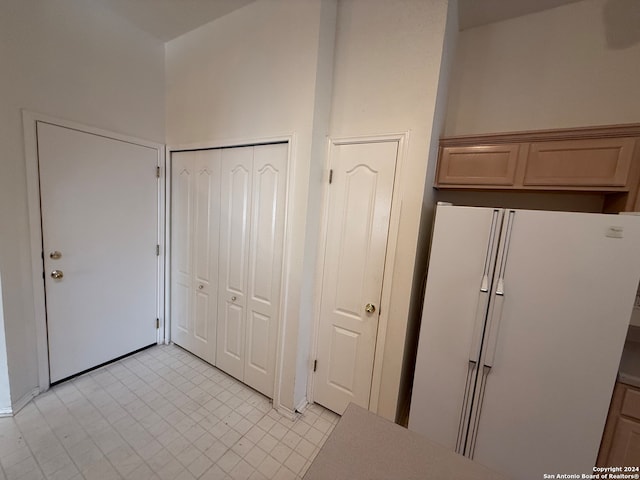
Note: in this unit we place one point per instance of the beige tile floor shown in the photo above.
(159, 414)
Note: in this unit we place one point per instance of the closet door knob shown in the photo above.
(233, 299)
(200, 287)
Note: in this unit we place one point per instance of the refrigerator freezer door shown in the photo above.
(458, 286)
(567, 297)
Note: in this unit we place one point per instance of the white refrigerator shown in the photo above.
(524, 320)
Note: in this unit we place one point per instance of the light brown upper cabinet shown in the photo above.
(479, 165)
(593, 159)
(600, 162)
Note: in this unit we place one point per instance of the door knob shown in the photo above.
(200, 287)
(233, 299)
(57, 274)
(55, 255)
(370, 308)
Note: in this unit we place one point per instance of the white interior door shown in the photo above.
(99, 202)
(357, 230)
(195, 212)
(569, 285)
(235, 203)
(265, 265)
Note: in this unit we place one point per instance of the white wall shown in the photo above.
(261, 72)
(576, 65)
(386, 78)
(73, 60)
(317, 179)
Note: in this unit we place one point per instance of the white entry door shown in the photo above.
(357, 230)
(99, 203)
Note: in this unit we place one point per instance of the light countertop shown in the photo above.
(365, 446)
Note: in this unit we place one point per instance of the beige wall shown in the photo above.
(575, 65)
(272, 68)
(386, 77)
(261, 72)
(72, 60)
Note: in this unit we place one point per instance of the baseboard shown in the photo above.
(22, 402)
(286, 412)
(6, 412)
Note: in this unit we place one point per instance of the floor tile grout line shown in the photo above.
(178, 408)
(58, 438)
(131, 376)
(30, 452)
(84, 430)
(243, 436)
(105, 455)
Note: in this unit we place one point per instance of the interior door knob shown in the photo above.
(55, 255)
(57, 274)
(370, 308)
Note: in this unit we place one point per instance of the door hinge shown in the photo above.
(157, 250)
(315, 365)
(158, 172)
(157, 323)
(330, 176)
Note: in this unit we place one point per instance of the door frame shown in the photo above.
(285, 286)
(402, 140)
(29, 123)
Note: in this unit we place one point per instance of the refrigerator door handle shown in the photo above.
(478, 330)
(470, 448)
(488, 259)
(505, 253)
(483, 297)
(495, 315)
(481, 315)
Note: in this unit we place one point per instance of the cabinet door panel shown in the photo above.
(478, 165)
(235, 204)
(599, 163)
(265, 265)
(625, 449)
(631, 404)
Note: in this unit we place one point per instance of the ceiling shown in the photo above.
(472, 13)
(168, 19)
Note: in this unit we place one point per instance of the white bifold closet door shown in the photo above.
(253, 192)
(227, 233)
(195, 214)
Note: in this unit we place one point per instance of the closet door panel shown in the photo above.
(265, 265)
(205, 234)
(181, 244)
(235, 204)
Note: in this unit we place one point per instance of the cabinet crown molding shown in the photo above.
(603, 131)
